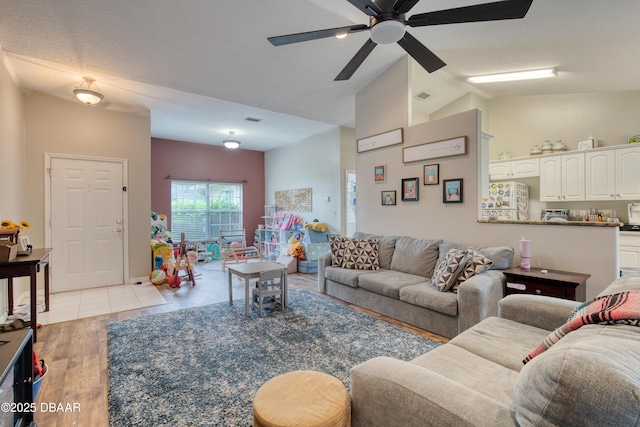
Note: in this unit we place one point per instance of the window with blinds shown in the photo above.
(201, 209)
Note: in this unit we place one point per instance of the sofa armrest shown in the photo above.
(478, 298)
(536, 310)
(390, 392)
(323, 262)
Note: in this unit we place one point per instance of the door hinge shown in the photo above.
(49, 171)
(124, 189)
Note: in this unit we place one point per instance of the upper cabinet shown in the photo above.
(613, 174)
(562, 178)
(600, 175)
(510, 169)
(628, 173)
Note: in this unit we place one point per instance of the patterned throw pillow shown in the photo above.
(447, 271)
(476, 263)
(360, 254)
(337, 250)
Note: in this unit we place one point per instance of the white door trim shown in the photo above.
(125, 204)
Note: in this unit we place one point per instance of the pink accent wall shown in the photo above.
(188, 160)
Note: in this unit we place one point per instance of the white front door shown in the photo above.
(86, 223)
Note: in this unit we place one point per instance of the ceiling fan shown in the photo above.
(387, 24)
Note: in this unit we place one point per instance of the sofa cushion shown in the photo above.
(500, 256)
(415, 256)
(589, 378)
(425, 295)
(475, 263)
(345, 276)
(500, 340)
(337, 250)
(386, 246)
(447, 271)
(388, 282)
(360, 254)
(472, 371)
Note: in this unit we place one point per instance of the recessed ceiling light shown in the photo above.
(519, 75)
(341, 36)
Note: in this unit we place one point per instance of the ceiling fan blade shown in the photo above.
(314, 35)
(356, 61)
(421, 53)
(509, 9)
(404, 6)
(367, 6)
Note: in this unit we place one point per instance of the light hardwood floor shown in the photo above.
(76, 351)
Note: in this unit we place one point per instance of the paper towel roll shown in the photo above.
(525, 248)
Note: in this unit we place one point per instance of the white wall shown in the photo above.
(590, 250)
(311, 163)
(58, 126)
(12, 154)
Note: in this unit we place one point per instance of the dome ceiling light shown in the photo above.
(87, 94)
(231, 143)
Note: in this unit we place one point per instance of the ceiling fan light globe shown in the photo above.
(387, 32)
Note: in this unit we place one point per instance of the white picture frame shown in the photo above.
(433, 150)
(587, 144)
(385, 139)
(23, 243)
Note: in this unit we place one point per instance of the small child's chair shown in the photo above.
(268, 292)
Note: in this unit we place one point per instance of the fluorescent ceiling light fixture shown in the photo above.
(518, 75)
(87, 95)
(231, 143)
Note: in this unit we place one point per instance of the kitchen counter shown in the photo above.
(560, 223)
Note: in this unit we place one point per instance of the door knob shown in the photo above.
(118, 230)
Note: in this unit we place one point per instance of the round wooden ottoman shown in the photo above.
(302, 399)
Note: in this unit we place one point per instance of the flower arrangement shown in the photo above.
(7, 224)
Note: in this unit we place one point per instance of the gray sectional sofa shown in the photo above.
(402, 287)
(590, 377)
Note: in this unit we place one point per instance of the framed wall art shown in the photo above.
(386, 139)
(410, 189)
(433, 150)
(452, 190)
(431, 174)
(379, 174)
(388, 198)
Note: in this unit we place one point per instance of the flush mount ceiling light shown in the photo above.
(87, 94)
(231, 143)
(519, 75)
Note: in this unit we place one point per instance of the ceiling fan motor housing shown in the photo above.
(387, 29)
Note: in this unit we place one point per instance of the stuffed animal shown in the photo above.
(297, 251)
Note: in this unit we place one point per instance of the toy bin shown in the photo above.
(38, 382)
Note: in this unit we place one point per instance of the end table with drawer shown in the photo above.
(553, 283)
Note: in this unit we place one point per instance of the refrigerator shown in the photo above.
(506, 200)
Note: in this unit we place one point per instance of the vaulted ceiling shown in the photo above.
(202, 67)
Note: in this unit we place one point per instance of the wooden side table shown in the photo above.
(553, 283)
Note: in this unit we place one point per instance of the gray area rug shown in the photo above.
(202, 366)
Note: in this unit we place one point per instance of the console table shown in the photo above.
(554, 283)
(29, 265)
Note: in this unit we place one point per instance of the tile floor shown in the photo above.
(73, 305)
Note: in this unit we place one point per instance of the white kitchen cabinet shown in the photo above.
(629, 250)
(600, 175)
(510, 169)
(613, 174)
(628, 173)
(562, 178)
